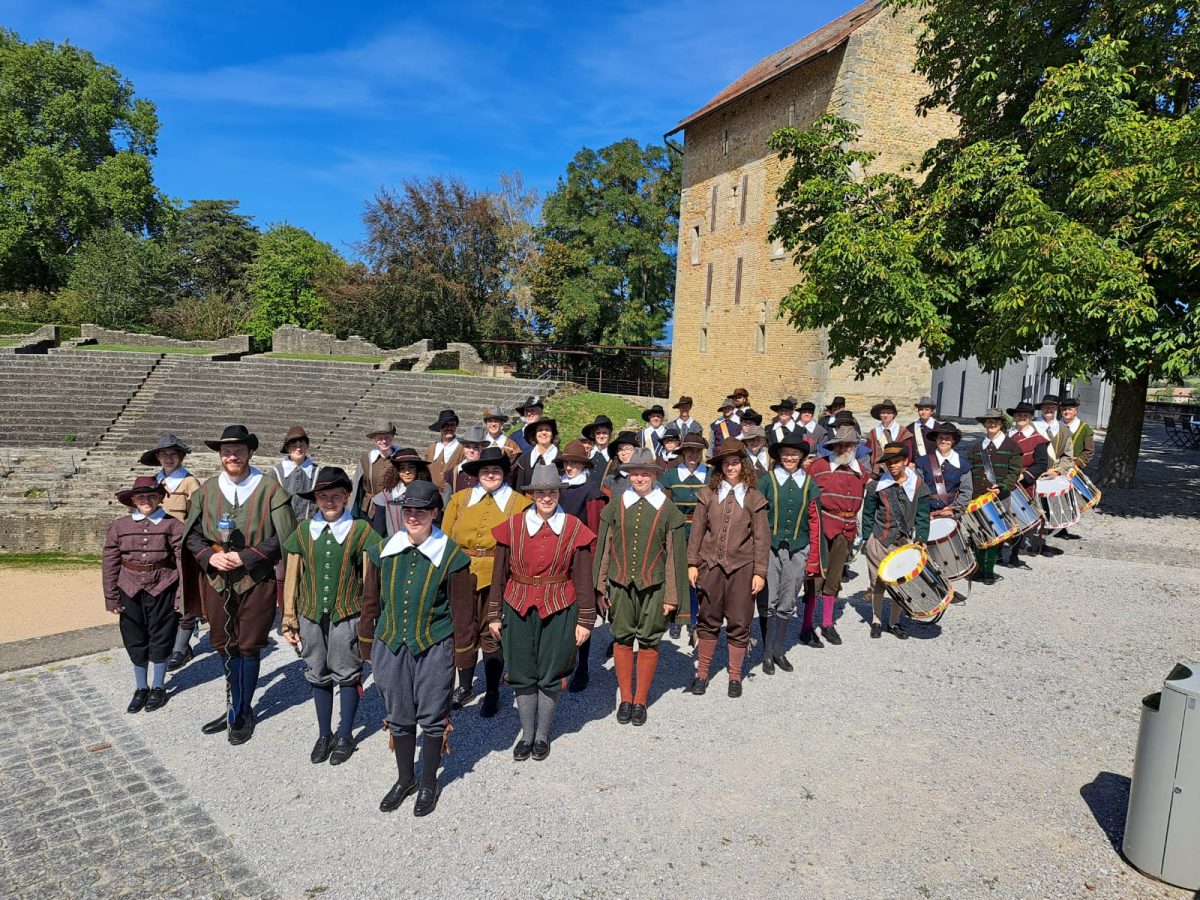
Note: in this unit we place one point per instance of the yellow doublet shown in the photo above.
(471, 528)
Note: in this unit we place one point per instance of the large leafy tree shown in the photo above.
(75, 149)
(1067, 206)
(285, 280)
(118, 279)
(606, 273)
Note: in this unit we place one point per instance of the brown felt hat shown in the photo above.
(143, 484)
(575, 452)
(729, 447)
(295, 433)
(892, 450)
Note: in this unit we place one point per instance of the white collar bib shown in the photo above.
(500, 495)
(655, 498)
(174, 480)
(155, 517)
(289, 467)
(910, 484)
(701, 472)
(339, 527)
(739, 492)
(239, 492)
(534, 522)
(433, 548)
(782, 475)
(952, 458)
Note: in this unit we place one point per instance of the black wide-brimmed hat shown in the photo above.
(589, 430)
(790, 441)
(893, 450)
(807, 407)
(328, 478)
(234, 434)
(421, 495)
(167, 441)
(880, 407)
(946, 428)
(1049, 398)
(490, 456)
(786, 403)
(530, 430)
(445, 417)
(143, 484)
(1069, 403)
(671, 432)
(1023, 407)
(655, 410)
(531, 401)
(751, 415)
(837, 401)
(626, 437)
(408, 455)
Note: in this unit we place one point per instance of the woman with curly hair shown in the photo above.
(728, 552)
(387, 510)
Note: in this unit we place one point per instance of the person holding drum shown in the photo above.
(895, 512)
(1035, 461)
(1061, 450)
(995, 469)
(1083, 444)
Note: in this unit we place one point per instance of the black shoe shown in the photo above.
(242, 731)
(638, 714)
(768, 665)
(216, 726)
(522, 751)
(624, 712)
(608, 650)
(784, 665)
(487, 709)
(1052, 551)
(990, 579)
(343, 749)
(427, 798)
(898, 631)
(1070, 536)
(157, 699)
(959, 598)
(461, 696)
(830, 634)
(699, 686)
(808, 637)
(138, 701)
(676, 631)
(179, 659)
(321, 749)
(541, 749)
(579, 681)
(735, 689)
(397, 795)
(876, 629)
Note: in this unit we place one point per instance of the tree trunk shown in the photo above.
(1118, 462)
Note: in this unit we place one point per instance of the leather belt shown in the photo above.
(478, 554)
(839, 514)
(539, 580)
(146, 567)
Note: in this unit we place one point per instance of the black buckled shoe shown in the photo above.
(735, 689)
(675, 631)
(699, 686)
(898, 631)
(1047, 550)
(242, 731)
(830, 634)
(990, 579)
(624, 712)
(876, 629)
(784, 665)
(427, 798)
(461, 696)
(808, 637)
(179, 658)
(768, 664)
(321, 749)
(343, 749)
(522, 751)
(541, 749)
(637, 715)
(138, 701)
(398, 794)
(157, 699)
(217, 725)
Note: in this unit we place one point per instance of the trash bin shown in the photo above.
(1162, 827)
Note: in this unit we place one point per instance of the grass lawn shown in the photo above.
(49, 558)
(323, 357)
(11, 342)
(575, 410)
(448, 372)
(135, 348)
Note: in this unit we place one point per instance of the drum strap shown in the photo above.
(939, 482)
(986, 453)
(919, 437)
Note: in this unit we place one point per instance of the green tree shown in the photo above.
(118, 278)
(606, 273)
(1067, 205)
(285, 279)
(75, 149)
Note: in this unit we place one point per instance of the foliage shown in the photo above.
(606, 273)
(1067, 206)
(326, 357)
(434, 268)
(75, 149)
(573, 410)
(284, 278)
(118, 278)
(517, 208)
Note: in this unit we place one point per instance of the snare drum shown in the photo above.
(915, 583)
(948, 549)
(1089, 494)
(1024, 510)
(989, 522)
(1059, 502)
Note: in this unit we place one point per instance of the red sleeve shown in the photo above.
(592, 511)
(813, 564)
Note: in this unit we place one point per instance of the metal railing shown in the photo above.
(605, 368)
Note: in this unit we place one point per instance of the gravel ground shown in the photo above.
(988, 756)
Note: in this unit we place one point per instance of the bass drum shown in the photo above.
(947, 547)
(915, 583)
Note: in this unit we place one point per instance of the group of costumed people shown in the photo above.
(505, 547)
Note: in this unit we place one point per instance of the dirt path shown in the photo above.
(41, 600)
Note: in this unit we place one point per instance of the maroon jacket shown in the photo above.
(140, 555)
(841, 497)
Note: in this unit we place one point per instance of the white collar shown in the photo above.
(853, 464)
(175, 479)
(659, 431)
(996, 441)
(582, 478)
(549, 456)
(433, 548)
(498, 441)
(500, 495)
(1073, 425)
(600, 451)
(910, 484)
(892, 432)
(375, 453)
(952, 458)
(157, 516)
(781, 475)
(289, 467)
(339, 527)
(443, 450)
(739, 492)
(683, 423)
(701, 472)
(762, 457)
(655, 498)
(534, 522)
(1023, 433)
(811, 426)
(789, 427)
(1047, 429)
(238, 493)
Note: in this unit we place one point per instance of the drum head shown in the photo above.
(900, 565)
(1051, 486)
(940, 529)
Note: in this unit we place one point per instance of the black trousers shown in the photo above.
(148, 625)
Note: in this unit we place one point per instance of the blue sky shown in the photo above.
(301, 111)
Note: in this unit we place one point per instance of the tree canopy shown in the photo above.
(75, 150)
(1066, 207)
(284, 279)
